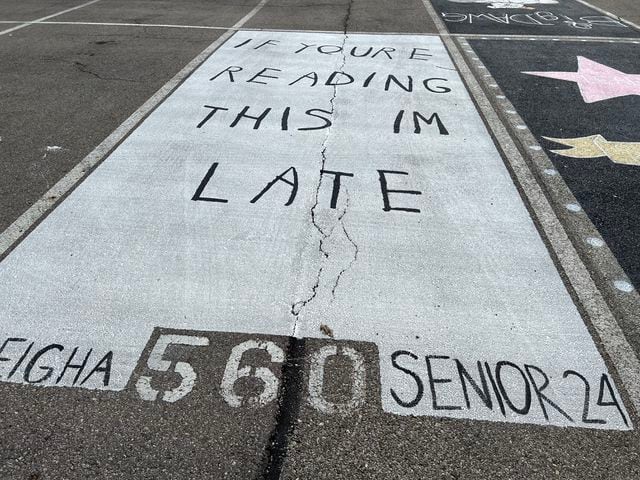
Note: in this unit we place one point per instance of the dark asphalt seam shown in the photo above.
(290, 398)
(84, 68)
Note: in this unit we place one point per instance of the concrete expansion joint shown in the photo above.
(325, 233)
(347, 18)
(297, 307)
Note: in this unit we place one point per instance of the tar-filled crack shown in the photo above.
(297, 307)
(84, 68)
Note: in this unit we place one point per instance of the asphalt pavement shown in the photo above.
(348, 239)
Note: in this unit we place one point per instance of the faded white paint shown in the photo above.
(467, 277)
(156, 362)
(50, 149)
(317, 380)
(233, 372)
(623, 286)
(522, 4)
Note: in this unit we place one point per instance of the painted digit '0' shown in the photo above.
(233, 372)
(157, 363)
(316, 380)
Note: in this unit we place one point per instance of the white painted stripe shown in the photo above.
(28, 219)
(210, 27)
(195, 27)
(39, 20)
(598, 312)
(354, 32)
(562, 38)
(119, 24)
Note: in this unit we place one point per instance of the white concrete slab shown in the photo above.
(461, 272)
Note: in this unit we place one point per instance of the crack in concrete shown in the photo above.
(355, 246)
(297, 307)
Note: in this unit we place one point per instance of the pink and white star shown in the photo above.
(596, 81)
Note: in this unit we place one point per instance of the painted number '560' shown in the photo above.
(233, 372)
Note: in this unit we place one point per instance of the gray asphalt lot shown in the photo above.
(70, 87)
(66, 85)
(407, 16)
(32, 9)
(626, 9)
(218, 13)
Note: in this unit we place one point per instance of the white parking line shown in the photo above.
(566, 38)
(121, 24)
(39, 20)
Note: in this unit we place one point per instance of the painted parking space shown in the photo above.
(529, 17)
(302, 184)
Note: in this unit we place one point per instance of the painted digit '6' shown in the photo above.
(233, 372)
(157, 363)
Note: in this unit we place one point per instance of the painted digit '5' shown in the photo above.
(157, 363)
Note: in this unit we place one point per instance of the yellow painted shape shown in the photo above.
(594, 146)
